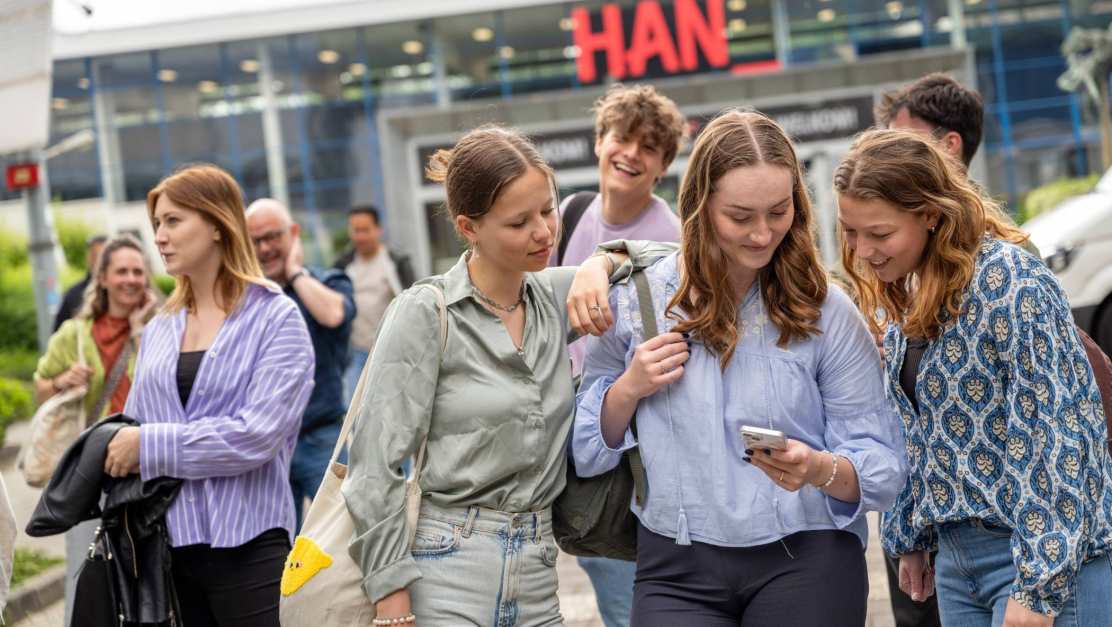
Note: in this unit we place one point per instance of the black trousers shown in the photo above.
(234, 587)
(909, 613)
(809, 578)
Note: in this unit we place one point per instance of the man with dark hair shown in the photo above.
(939, 106)
(378, 275)
(75, 295)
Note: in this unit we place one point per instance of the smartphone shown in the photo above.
(757, 438)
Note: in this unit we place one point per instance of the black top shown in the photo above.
(71, 301)
(188, 364)
(909, 370)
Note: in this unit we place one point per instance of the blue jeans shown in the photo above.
(613, 583)
(310, 461)
(974, 574)
(351, 375)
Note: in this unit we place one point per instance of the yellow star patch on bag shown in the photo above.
(306, 559)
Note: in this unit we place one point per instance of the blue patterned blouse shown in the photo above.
(1010, 429)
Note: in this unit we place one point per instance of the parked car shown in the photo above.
(1076, 241)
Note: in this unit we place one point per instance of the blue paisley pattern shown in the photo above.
(1010, 429)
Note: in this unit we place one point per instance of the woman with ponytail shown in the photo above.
(756, 337)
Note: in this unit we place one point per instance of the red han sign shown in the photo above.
(652, 38)
(22, 176)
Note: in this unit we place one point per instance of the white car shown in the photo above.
(1075, 239)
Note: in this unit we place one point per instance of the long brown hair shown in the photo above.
(793, 284)
(913, 175)
(481, 164)
(95, 303)
(212, 192)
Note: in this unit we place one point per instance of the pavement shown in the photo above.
(43, 607)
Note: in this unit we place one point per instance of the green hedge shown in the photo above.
(15, 403)
(1052, 194)
(18, 363)
(72, 237)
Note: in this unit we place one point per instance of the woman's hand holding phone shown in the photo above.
(791, 468)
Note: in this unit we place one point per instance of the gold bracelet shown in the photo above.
(833, 473)
(397, 620)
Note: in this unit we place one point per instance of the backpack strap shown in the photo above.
(648, 324)
(573, 213)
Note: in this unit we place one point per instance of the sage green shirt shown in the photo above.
(497, 419)
(61, 355)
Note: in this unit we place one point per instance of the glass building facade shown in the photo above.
(294, 116)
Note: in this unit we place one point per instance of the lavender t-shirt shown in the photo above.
(657, 223)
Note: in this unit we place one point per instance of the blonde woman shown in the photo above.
(755, 336)
(223, 376)
(1009, 480)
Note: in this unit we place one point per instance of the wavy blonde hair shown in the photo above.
(212, 192)
(793, 284)
(913, 175)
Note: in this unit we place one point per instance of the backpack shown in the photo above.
(1102, 373)
(573, 213)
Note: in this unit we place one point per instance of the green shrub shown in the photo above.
(165, 283)
(18, 363)
(17, 309)
(28, 563)
(13, 249)
(15, 403)
(72, 236)
(1050, 195)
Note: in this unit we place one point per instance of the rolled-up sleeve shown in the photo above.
(606, 361)
(861, 425)
(394, 415)
(228, 445)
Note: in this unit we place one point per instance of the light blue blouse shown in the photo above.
(827, 391)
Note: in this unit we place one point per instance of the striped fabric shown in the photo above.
(233, 440)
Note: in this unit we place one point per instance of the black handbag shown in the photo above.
(95, 602)
(592, 517)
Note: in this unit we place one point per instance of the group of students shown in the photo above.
(976, 429)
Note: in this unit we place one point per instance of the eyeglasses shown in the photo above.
(270, 238)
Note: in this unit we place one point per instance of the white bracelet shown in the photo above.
(398, 620)
(833, 473)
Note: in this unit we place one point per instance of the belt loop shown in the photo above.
(472, 513)
(536, 528)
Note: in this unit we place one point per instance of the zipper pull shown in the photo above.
(683, 537)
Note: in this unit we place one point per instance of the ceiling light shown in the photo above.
(59, 103)
(737, 5)
(207, 87)
(345, 77)
(826, 15)
(424, 67)
(328, 57)
(567, 24)
(944, 24)
(894, 8)
(357, 69)
(167, 75)
(506, 52)
(571, 52)
(482, 34)
(737, 25)
(972, 2)
(413, 46)
(249, 65)
(83, 83)
(401, 71)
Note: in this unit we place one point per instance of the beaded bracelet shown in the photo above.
(399, 620)
(834, 472)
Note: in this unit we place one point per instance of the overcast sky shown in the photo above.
(69, 17)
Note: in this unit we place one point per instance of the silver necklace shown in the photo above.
(500, 307)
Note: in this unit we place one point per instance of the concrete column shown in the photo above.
(272, 129)
(781, 32)
(957, 19)
(108, 150)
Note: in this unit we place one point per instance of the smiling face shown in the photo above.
(273, 234)
(752, 210)
(125, 280)
(186, 241)
(519, 231)
(628, 165)
(890, 241)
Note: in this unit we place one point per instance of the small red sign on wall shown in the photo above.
(22, 176)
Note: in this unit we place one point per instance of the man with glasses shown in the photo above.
(328, 306)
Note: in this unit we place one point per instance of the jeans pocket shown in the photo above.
(549, 553)
(435, 541)
(996, 529)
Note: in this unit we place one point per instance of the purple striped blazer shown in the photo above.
(233, 440)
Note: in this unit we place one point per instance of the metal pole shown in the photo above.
(957, 21)
(272, 129)
(44, 258)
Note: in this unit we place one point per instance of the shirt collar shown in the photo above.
(457, 283)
